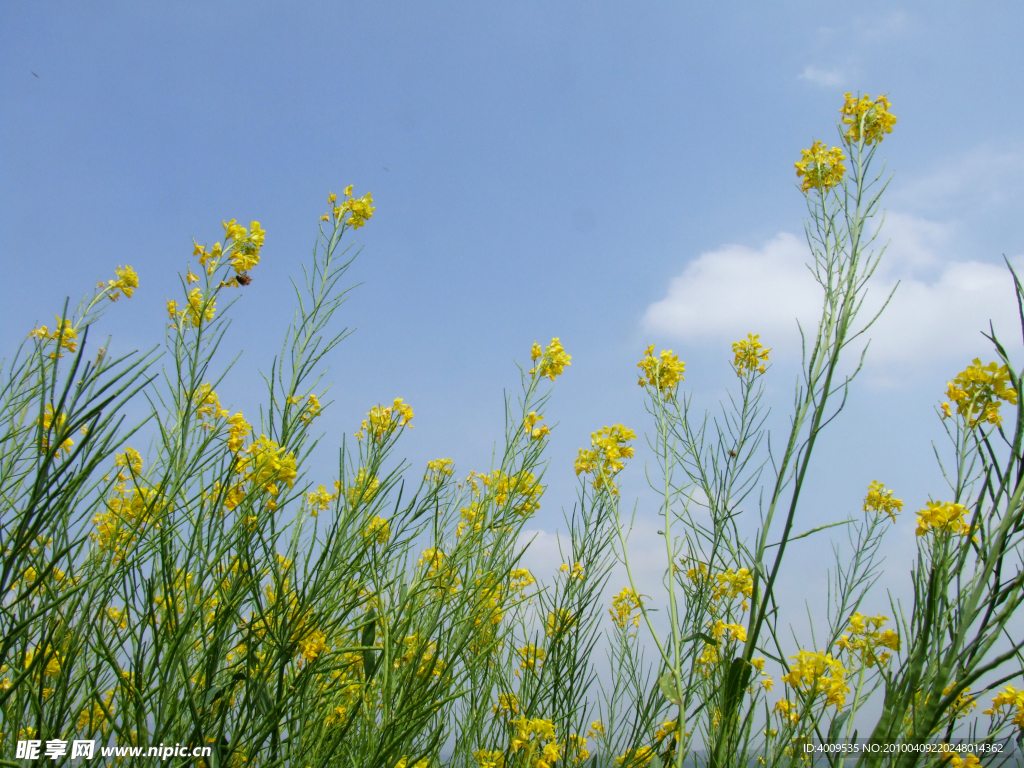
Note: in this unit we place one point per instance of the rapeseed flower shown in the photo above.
(820, 168)
(663, 372)
(867, 118)
(552, 361)
(360, 210)
(978, 391)
(751, 355)
(64, 333)
(626, 607)
(939, 516)
(127, 281)
(381, 421)
(607, 454)
(881, 501)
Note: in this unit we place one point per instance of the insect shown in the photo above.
(243, 279)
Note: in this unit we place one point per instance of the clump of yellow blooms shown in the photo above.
(559, 621)
(626, 608)
(751, 355)
(360, 210)
(818, 673)
(864, 637)
(535, 432)
(63, 333)
(969, 759)
(820, 168)
(537, 737)
(363, 488)
(733, 584)
(439, 470)
(663, 372)
(735, 631)
(881, 501)
(978, 391)
(939, 516)
(1009, 697)
(378, 529)
(198, 309)
(576, 572)
(532, 657)
(382, 421)
(310, 410)
(553, 359)
(641, 756)
(507, 704)
(266, 464)
(319, 500)
(127, 281)
(606, 456)
(129, 510)
(244, 250)
(312, 645)
(54, 422)
(867, 118)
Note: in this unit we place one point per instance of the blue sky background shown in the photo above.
(612, 174)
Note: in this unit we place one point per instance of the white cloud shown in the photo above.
(827, 78)
(936, 315)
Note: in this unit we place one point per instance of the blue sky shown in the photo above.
(612, 174)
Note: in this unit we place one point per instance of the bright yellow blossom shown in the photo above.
(978, 391)
(871, 117)
(820, 168)
(381, 421)
(127, 281)
(663, 372)
(880, 500)
(606, 456)
(552, 362)
(939, 516)
(751, 355)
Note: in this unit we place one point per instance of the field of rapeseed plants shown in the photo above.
(213, 594)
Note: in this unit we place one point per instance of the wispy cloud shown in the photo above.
(937, 314)
(827, 78)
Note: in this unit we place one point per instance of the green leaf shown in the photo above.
(668, 687)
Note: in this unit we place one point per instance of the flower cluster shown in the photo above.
(864, 638)
(536, 432)
(626, 608)
(538, 737)
(978, 391)
(54, 422)
(866, 118)
(881, 501)
(378, 529)
(733, 584)
(751, 355)
(381, 421)
(820, 168)
(309, 410)
(939, 516)
(553, 359)
(266, 464)
(198, 308)
(128, 511)
(606, 456)
(735, 631)
(559, 621)
(439, 470)
(363, 488)
(576, 572)
(244, 250)
(127, 281)
(320, 499)
(360, 210)
(663, 372)
(819, 674)
(1012, 698)
(63, 333)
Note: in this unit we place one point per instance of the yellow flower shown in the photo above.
(312, 645)
(319, 500)
(439, 469)
(626, 608)
(198, 310)
(378, 529)
(606, 456)
(238, 430)
(532, 420)
(751, 355)
(127, 281)
(880, 500)
(736, 631)
(54, 422)
(864, 638)
(939, 516)
(64, 333)
(381, 421)
(363, 488)
(978, 391)
(172, 310)
(819, 674)
(552, 362)
(360, 210)
(663, 372)
(190, 277)
(820, 168)
(560, 621)
(871, 117)
(576, 572)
